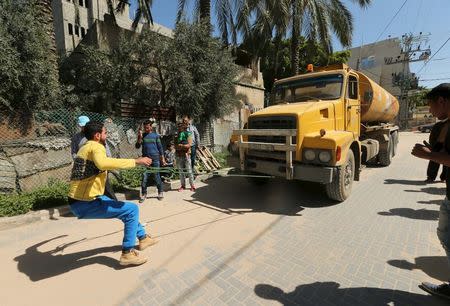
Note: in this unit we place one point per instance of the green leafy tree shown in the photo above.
(29, 83)
(310, 52)
(202, 74)
(191, 72)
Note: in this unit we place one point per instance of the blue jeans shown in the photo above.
(443, 230)
(105, 208)
(193, 156)
(156, 176)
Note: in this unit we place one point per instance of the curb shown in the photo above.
(34, 216)
(64, 211)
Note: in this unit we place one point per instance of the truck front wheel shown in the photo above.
(341, 186)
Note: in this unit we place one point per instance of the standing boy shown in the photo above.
(439, 100)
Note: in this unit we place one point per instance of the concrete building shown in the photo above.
(380, 61)
(74, 19)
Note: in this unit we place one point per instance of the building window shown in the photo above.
(368, 62)
(77, 31)
(70, 29)
(86, 2)
(83, 32)
(80, 2)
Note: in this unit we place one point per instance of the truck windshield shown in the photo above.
(325, 87)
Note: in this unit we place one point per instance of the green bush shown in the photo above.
(51, 195)
(132, 177)
(221, 158)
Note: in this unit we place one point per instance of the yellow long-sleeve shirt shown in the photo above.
(89, 171)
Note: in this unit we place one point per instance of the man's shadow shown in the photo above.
(41, 265)
(404, 182)
(434, 266)
(418, 214)
(329, 293)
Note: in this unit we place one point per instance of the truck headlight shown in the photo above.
(310, 155)
(324, 156)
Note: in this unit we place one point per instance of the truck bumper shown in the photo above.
(309, 173)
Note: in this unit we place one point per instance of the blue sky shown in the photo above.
(426, 16)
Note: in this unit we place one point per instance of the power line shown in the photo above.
(385, 28)
(438, 79)
(442, 46)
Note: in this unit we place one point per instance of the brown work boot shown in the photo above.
(131, 258)
(146, 242)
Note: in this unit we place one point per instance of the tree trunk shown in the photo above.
(295, 58)
(45, 17)
(205, 13)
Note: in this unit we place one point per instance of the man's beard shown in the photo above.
(103, 142)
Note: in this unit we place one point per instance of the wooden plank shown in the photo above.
(266, 132)
(210, 156)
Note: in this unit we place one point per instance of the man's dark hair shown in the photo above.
(91, 128)
(147, 122)
(442, 90)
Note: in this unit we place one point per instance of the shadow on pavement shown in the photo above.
(329, 293)
(419, 214)
(437, 202)
(431, 190)
(404, 182)
(434, 266)
(41, 265)
(236, 195)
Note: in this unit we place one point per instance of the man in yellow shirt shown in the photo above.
(87, 186)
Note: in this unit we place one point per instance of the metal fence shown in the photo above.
(30, 158)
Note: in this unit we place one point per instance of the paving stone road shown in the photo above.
(232, 243)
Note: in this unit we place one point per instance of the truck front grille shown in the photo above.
(275, 123)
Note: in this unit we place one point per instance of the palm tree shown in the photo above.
(314, 19)
(224, 13)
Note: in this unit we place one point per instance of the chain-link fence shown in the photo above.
(30, 158)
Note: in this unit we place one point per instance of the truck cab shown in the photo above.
(312, 130)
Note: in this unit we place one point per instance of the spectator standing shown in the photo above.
(152, 148)
(87, 184)
(183, 143)
(195, 140)
(439, 97)
(78, 139)
(436, 140)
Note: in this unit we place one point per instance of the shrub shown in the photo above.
(51, 195)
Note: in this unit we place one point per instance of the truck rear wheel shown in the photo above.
(385, 156)
(341, 186)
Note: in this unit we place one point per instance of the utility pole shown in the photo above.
(413, 49)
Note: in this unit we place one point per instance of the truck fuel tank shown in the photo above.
(377, 104)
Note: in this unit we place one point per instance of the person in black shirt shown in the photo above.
(439, 98)
(436, 140)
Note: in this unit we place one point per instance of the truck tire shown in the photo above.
(395, 143)
(385, 156)
(341, 186)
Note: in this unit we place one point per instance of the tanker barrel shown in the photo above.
(377, 104)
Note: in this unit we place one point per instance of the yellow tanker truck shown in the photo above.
(321, 127)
